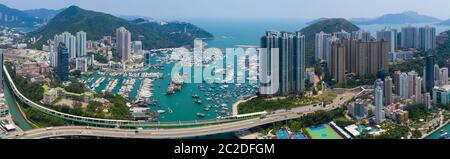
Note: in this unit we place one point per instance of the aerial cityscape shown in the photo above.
(72, 70)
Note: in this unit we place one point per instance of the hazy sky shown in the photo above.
(301, 9)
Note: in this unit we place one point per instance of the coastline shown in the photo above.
(25, 116)
(435, 130)
(236, 105)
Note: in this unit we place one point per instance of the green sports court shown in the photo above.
(323, 132)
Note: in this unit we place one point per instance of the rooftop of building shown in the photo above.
(443, 87)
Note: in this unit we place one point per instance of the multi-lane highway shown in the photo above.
(277, 116)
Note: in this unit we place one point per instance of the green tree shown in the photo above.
(75, 87)
(343, 122)
(416, 134)
(417, 111)
(397, 132)
(44, 120)
(77, 109)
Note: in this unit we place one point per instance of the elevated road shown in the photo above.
(280, 115)
(162, 130)
(155, 133)
(111, 122)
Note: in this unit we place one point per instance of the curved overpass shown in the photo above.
(117, 123)
(158, 131)
(155, 133)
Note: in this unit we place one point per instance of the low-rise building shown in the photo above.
(115, 65)
(31, 69)
(396, 113)
(401, 56)
(4, 111)
(50, 96)
(81, 64)
(402, 116)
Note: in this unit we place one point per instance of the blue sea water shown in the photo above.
(229, 33)
(181, 106)
(437, 134)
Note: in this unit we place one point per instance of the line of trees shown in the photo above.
(313, 119)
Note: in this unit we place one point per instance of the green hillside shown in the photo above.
(97, 25)
(21, 19)
(327, 26)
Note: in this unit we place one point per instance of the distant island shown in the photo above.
(445, 22)
(409, 17)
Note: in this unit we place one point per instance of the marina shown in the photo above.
(145, 90)
(126, 88)
(173, 100)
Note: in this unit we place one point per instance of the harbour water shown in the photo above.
(14, 110)
(195, 101)
(437, 134)
(181, 106)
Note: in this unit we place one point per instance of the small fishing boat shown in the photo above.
(199, 102)
(201, 115)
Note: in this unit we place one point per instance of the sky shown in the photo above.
(246, 9)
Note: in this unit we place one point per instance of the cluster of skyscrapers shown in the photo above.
(410, 86)
(324, 41)
(406, 86)
(423, 38)
(76, 45)
(357, 56)
(441, 92)
(67, 47)
(282, 63)
(123, 43)
(390, 35)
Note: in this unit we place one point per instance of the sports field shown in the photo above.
(323, 132)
